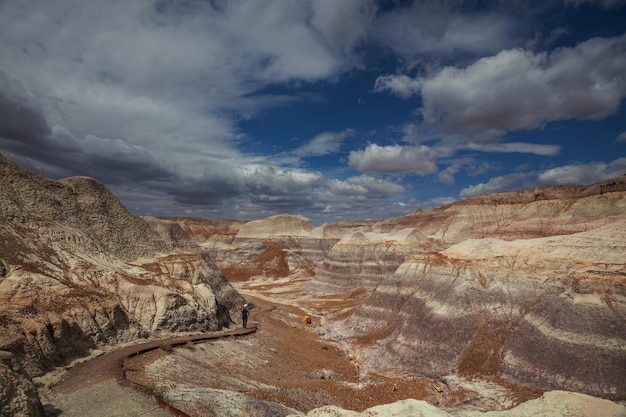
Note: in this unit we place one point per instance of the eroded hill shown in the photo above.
(78, 271)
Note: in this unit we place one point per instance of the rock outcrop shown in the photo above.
(275, 226)
(78, 271)
(203, 230)
(548, 312)
(215, 402)
(18, 392)
(555, 403)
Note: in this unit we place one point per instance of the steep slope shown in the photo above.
(546, 312)
(522, 214)
(78, 271)
(203, 230)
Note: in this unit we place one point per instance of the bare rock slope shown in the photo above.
(528, 289)
(78, 271)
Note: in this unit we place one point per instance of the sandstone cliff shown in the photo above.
(281, 225)
(79, 271)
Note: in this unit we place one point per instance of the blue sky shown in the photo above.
(350, 109)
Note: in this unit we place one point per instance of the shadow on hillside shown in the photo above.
(51, 410)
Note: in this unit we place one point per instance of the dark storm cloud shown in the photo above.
(210, 190)
(21, 120)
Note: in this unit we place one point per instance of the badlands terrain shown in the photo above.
(494, 303)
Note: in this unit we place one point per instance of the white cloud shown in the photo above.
(400, 85)
(362, 187)
(394, 159)
(544, 150)
(365, 197)
(517, 89)
(442, 29)
(495, 184)
(587, 173)
(148, 96)
(325, 143)
(621, 137)
(582, 173)
(447, 175)
(143, 91)
(520, 90)
(376, 186)
(276, 43)
(271, 190)
(330, 17)
(446, 150)
(268, 180)
(183, 68)
(436, 202)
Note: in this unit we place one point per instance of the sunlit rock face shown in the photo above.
(79, 271)
(554, 403)
(276, 226)
(546, 312)
(529, 286)
(365, 258)
(523, 214)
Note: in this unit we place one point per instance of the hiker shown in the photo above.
(244, 315)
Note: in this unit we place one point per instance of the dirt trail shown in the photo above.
(110, 366)
(98, 386)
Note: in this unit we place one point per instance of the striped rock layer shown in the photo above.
(529, 286)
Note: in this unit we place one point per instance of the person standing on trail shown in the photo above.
(244, 315)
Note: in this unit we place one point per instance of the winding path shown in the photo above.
(97, 386)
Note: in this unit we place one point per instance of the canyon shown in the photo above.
(486, 304)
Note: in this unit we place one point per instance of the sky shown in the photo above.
(329, 109)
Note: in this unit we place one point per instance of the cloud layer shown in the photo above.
(156, 99)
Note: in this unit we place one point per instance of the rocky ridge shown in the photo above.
(79, 272)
